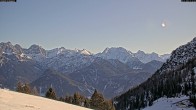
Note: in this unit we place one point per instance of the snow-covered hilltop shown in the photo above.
(10, 100)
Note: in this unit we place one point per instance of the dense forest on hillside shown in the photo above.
(172, 83)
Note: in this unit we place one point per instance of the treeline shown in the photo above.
(25, 88)
(97, 101)
(173, 83)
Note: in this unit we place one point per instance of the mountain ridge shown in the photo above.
(75, 65)
(176, 77)
(41, 52)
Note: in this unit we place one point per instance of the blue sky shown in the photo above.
(97, 24)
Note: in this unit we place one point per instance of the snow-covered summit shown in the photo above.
(35, 49)
(11, 52)
(85, 52)
(118, 53)
(124, 55)
(147, 57)
(64, 59)
(8, 48)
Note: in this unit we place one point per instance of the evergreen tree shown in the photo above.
(19, 87)
(99, 103)
(27, 89)
(87, 103)
(192, 99)
(34, 91)
(96, 100)
(77, 99)
(50, 94)
(107, 105)
(23, 88)
(69, 99)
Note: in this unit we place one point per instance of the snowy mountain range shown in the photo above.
(68, 61)
(114, 69)
(38, 53)
(125, 56)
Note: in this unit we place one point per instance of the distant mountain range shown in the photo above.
(111, 72)
(125, 56)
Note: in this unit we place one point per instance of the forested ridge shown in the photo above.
(171, 83)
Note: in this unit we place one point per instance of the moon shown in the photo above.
(163, 24)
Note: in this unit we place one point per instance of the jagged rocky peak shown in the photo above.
(8, 48)
(55, 52)
(19, 48)
(84, 52)
(115, 49)
(36, 49)
(147, 57)
(140, 52)
(181, 55)
(62, 49)
(194, 39)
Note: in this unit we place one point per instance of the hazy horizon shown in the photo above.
(150, 26)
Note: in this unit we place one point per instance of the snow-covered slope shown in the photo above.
(118, 53)
(145, 57)
(66, 60)
(180, 56)
(10, 100)
(177, 103)
(63, 59)
(125, 56)
(109, 77)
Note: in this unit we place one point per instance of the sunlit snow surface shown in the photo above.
(10, 100)
(171, 104)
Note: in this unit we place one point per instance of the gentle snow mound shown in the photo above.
(10, 100)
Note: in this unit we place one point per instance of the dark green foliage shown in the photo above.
(193, 100)
(96, 102)
(50, 94)
(77, 99)
(87, 103)
(170, 83)
(23, 88)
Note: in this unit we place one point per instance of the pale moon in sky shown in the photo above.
(163, 24)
